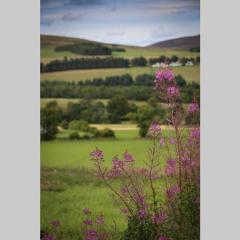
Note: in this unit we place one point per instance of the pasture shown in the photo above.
(63, 102)
(68, 185)
(48, 53)
(190, 73)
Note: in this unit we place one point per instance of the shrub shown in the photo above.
(105, 133)
(74, 136)
(79, 125)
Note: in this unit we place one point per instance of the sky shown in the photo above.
(129, 22)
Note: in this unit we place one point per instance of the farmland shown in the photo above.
(191, 73)
(67, 181)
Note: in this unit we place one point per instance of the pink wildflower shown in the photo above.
(163, 238)
(185, 161)
(88, 222)
(162, 141)
(117, 163)
(100, 220)
(193, 107)
(48, 237)
(159, 75)
(97, 154)
(170, 168)
(173, 91)
(159, 218)
(86, 211)
(172, 191)
(172, 140)
(55, 223)
(91, 234)
(155, 129)
(128, 157)
(195, 133)
(168, 74)
(142, 213)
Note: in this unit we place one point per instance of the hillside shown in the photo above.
(53, 41)
(50, 42)
(183, 43)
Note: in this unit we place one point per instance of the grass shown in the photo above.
(49, 54)
(191, 73)
(63, 102)
(68, 186)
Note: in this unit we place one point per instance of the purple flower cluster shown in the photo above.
(159, 218)
(90, 234)
(195, 133)
(171, 167)
(117, 166)
(100, 220)
(86, 211)
(172, 191)
(128, 157)
(155, 129)
(55, 223)
(165, 74)
(173, 91)
(48, 237)
(162, 141)
(193, 107)
(88, 222)
(142, 213)
(97, 154)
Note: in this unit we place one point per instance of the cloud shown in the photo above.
(136, 22)
(72, 17)
(115, 33)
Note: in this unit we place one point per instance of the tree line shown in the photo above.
(84, 63)
(87, 48)
(109, 62)
(139, 89)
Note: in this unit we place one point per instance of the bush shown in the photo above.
(139, 62)
(79, 125)
(105, 133)
(74, 136)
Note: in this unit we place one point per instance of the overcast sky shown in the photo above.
(131, 22)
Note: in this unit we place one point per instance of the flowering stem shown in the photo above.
(112, 189)
(150, 173)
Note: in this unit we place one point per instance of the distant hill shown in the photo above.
(54, 41)
(183, 43)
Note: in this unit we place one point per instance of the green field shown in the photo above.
(190, 73)
(63, 102)
(48, 53)
(68, 186)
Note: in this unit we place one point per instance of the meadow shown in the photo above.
(63, 102)
(189, 73)
(68, 185)
(48, 53)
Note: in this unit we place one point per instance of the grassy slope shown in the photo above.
(191, 73)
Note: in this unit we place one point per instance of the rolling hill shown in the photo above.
(50, 42)
(183, 43)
